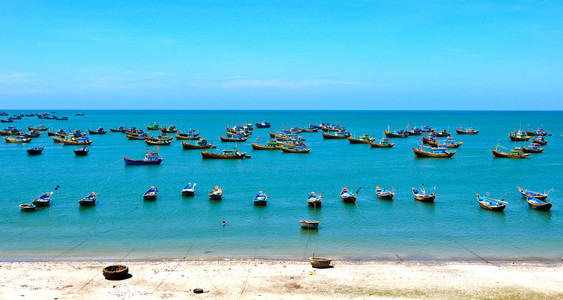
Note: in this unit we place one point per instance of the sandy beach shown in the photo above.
(261, 279)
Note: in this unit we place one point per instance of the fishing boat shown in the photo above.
(314, 200)
(232, 153)
(448, 142)
(347, 196)
(270, 145)
(89, 200)
(535, 203)
(295, 148)
(309, 130)
(59, 132)
(235, 138)
(32, 134)
(189, 189)
(18, 139)
(8, 120)
(383, 143)
(490, 204)
(439, 152)
(540, 140)
(415, 131)
(514, 153)
(150, 194)
(422, 195)
(158, 141)
(442, 133)
(532, 148)
(41, 127)
(519, 136)
(153, 126)
(169, 129)
(335, 135)
(363, 139)
(187, 136)
(401, 133)
(468, 130)
(119, 129)
(216, 193)
(10, 131)
(44, 199)
(537, 132)
(81, 151)
(27, 207)
(305, 224)
(137, 136)
(35, 150)
(76, 141)
(260, 199)
(263, 124)
(190, 132)
(426, 128)
(200, 144)
(151, 158)
(100, 130)
(384, 194)
(525, 193)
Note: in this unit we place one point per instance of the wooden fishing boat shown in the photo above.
(299, 148)
(151, 158)
(261, 199)
(8, 120)
(442, 133)
(200, 144)
(81, 151)
(537, 132)
(169, 129)
(421, 195)
(449, 142)
(189, 189)
(311, 128)
(157, 142)
(490, 204)
(58, 139)
(232, 153)
(187, 136)
(397, 134)
(525, 193)
(440, 152)
(43, 200)
(426, 128)
(540, 140)
(150, 194)
(314, 200)
(383, 143)
(263, 124)
(514, 153)
(270, 145)
(100, 130)
(535, 203)
(119, 129)
(137, 136)
(216, 193)
(235, 138)
(190, 132)
(27, 207)
(305, 224)
(59, 132)
(153, 126)
(235, 133)
(32, 134)
(384, 194)
(347, 196)
(519, 136)
(89, 200)
(363, 139)
(35, 150)
(17, 139)
(76, 141)
(469, 130)
(336, 135)
(532, 148)
(41, 127)
(319, 262)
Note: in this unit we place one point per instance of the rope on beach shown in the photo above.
(248, 275)
(174, 269)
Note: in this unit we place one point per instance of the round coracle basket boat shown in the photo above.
(320, 262)
(115, 272)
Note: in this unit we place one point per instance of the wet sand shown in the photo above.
(262, 279)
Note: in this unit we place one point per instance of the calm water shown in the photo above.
(122, 225)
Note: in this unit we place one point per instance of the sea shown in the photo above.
(123, 226)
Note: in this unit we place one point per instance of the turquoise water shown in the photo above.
(122, 225)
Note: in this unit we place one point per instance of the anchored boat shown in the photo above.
(260, 199)
(347, 196)
(189, 189)
(216, 193)
(151, 158)
(490, 203)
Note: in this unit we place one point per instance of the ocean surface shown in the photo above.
(124, 226)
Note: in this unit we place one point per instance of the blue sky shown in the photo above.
(281, 54)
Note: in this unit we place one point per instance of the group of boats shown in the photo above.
(535, 200)
(46, 116)
(523, 151)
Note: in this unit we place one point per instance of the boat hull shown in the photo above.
(209, 155)
(527, 150)
(139, 162)
(34, 152)
(149, 197)
(507, 155)
(515, 138)
(358, 141)
(378, 145)
(87, 203)
(41, 203)
(385, 197)
(187, 146)
(328, 136)
(309, 224)
(96, 132)
(544, 207)
(459, 131)
(394, 135)
(263, 147)
(227, 139)
(314, 204)
(289, 150)
(188, 192)
(260, 202)
(422, 153)
(429, 198)
(349, 199)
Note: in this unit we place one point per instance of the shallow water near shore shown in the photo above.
(123, 226)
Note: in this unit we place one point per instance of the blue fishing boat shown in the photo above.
(525, 193)
(490, 204)
(263, 124)
(260, 199)
(535, 203)
(151, 158)
(89, 200)
(314, 200)
(422, 195)
(189, 189)
(35, 150)
(347, 196)
(43, 200)
(384, 194)
(150, 194)
(532, 148)
(81, 151)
